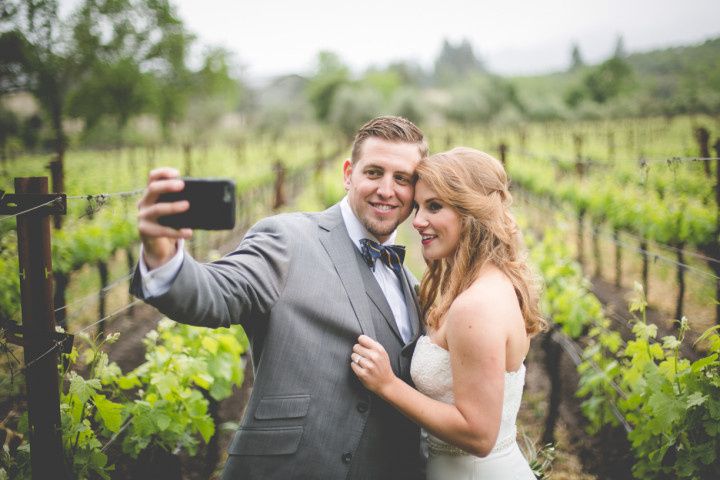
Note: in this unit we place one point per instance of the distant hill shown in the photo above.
(670, 81)
(678, 60)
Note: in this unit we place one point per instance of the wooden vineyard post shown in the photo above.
(187, 155)
(703, 138)
(552, 368)
(578, 140)
(104, 275)
(279, 200)
(39, 336)
(61, 278)
(611, 145)
(58, 186)
(596, 248)
(503, 148)
(581, 236)
(680, 254)
(645, 265)
(618, 257)
(715, 247)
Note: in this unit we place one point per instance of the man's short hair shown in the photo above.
(391, 129)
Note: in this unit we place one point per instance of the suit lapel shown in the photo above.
(413, 305)
(414, 309)
(334, 238)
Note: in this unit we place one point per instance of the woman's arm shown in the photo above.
(476, 337)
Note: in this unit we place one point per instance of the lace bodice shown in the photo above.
(432, 375)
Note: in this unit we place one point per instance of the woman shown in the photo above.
(480, 302)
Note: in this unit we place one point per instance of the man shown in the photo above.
(303, 290)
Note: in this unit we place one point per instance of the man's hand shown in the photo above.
(159, 241)
(371, 364)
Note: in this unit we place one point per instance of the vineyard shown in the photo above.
(620, 218)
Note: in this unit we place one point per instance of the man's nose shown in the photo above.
(385, 186)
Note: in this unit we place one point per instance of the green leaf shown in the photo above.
(166, 383)
(695, 399)
(109, 411)
(83, 389)
(210, 344)
(203, 380)
(670, 342)
(162, 421)
(699, 365)
(128, 382)
(205, 426)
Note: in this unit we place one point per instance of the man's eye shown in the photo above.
(374, 173)
(402, 180)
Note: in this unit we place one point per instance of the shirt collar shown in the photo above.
(355, 229)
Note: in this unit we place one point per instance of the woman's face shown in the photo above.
(437, 223)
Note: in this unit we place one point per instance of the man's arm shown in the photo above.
(158, 281)
(243, 285)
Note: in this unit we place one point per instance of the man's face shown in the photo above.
(380, 185)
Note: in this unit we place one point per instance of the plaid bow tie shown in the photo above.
(391, 255)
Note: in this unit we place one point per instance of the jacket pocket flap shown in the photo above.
(295, 406)
(266, 441)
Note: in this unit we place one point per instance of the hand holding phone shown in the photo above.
(212, 205)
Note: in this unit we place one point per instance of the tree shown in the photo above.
(37, 58)
(353, 106)
(576, 60)
(456, 62)
(107, 58)
(386, 82)
(608, 79)
(331, 74)
(134, 52)
(214, 92)
(620, 48)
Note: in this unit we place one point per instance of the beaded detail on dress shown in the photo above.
(432, 374)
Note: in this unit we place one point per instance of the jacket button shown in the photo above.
(347, 456)
(362, 407)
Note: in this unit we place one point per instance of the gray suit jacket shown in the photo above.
(300, 289)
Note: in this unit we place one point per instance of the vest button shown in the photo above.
(347, 456)
(362, 407)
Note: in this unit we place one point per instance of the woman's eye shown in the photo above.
(434, 206)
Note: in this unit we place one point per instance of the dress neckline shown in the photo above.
(520, 369)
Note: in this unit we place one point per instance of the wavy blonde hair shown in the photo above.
(475, 185)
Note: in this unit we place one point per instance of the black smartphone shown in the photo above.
(212, 205)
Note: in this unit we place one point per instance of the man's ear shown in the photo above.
(347, 171)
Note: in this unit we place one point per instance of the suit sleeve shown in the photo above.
(241, 286)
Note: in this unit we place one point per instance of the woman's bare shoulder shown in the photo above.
(491, 294)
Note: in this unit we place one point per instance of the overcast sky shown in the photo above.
(271, 37)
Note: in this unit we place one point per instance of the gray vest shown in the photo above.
(389, 437)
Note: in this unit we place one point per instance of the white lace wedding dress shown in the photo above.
(431, 373)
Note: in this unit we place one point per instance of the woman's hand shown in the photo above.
(371, 364)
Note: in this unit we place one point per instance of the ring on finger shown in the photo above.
(358, 359)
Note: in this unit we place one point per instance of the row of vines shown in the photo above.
(132, 424)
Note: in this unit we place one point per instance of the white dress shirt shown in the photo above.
(158, 281)
(385, 276)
